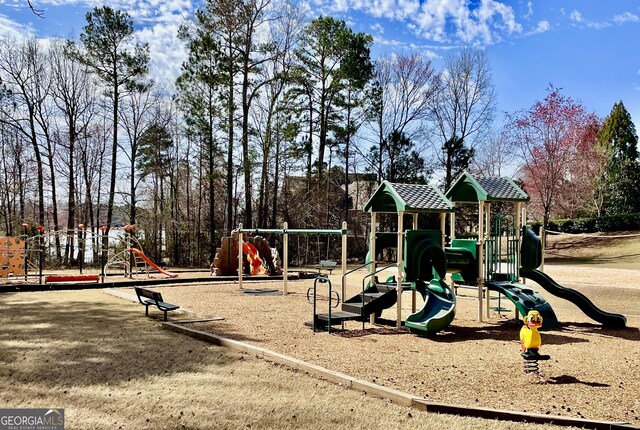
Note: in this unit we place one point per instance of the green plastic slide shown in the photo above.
(426, 265)
(438, 310)
(525, 299)
(607, 319)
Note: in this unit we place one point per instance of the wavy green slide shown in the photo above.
(607, 319)
(438, 310)
(426, 266)
(531, 258)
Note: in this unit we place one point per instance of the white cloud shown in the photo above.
(387, 42)
(341, 5)
(167, 52)
(626, 17)
(599, 25)
(440, 20)
(576, 16)
(377, 28)
(529, 10)
(543, 26)
(14, 30)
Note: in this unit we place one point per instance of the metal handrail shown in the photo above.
(323, 279)
(353, 270)
(376, 272)
(344, 283)
(363, 279)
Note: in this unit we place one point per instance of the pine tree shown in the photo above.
(619, 133)
(107, 52)
(619, 139)
(331, 56)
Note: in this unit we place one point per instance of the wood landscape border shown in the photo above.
(396, 396)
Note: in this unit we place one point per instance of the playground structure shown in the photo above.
(263, 259)
(503, 252)
(24, 256)
(127, 259)
(285, 232)
(13, 252)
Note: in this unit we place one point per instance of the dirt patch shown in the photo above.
(592, 372)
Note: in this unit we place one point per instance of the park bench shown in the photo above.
(150, 298)
(326, 265)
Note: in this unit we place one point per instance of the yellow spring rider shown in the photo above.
(530, 342)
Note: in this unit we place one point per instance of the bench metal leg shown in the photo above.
(165, 316)
(146, 310)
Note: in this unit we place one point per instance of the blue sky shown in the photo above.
(588, 48)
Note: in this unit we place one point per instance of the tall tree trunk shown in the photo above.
(199, 250)
(310, 143)
(71, 198)
(114, 160)
(230, 113)
(39, 171)
(246, 156)
(54, 197)
(276, 177)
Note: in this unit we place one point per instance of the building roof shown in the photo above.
(469, 188)
(392, 197)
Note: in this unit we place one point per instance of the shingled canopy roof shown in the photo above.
(391, 197)
(468, 188)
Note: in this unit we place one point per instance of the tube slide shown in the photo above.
(140, 254)
(438, 310)
(607, 319)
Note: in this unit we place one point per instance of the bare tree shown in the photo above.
(73, 93)
(495, 155)
(401, 101)
(464, 107)
(136, 116)
(268, 113)
(22, 68)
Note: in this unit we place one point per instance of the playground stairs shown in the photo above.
(376, 298)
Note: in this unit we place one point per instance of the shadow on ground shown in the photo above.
(504, 331)
(627, 333)
(94, 339)
(567, 379)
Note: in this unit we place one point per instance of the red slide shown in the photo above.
(253, 256)
(152, 264)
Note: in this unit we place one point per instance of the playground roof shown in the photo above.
(468, 188)
(390, 197)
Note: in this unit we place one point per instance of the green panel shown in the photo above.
(469, 244)
(385, 202)
(461, 256)
(466, 193)
(530, 250)
(423, 255)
